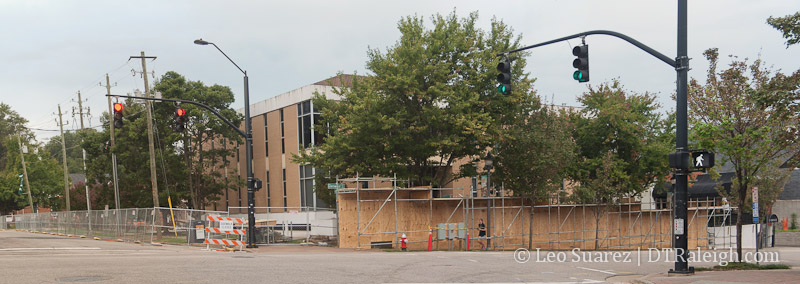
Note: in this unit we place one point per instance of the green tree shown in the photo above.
(789, 25)
(185, 161)
(132, 161)
(533, 153)
(201, 144)
(74, 152)
(430, 101)
(736, 113)
(622, 142)
(10, 122)
(44, 174)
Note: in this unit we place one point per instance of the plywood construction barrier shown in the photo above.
(370, 218)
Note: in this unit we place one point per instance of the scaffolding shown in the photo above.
(375, 212)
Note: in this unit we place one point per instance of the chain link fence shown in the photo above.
(162, 225)
(274, 225)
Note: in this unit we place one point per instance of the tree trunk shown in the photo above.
(189, 170)
(742, 196)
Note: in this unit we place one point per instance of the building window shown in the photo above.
(283, 146)
(240, 193)
(269, 204)
(307, 119)
(284, 191)
(307, 187)
(266, 137)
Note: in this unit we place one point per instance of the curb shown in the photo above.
(642, 280)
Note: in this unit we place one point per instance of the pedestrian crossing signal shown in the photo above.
(702, 159)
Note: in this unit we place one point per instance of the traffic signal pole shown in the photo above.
(251, 182)
(680, 241)
(681, 65)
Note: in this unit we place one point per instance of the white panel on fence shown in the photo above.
(226, 225)
(200, 233)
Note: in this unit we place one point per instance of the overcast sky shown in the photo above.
(51, 49)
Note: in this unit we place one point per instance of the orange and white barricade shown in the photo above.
(226, 226)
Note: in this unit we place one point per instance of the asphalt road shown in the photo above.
(39, 258)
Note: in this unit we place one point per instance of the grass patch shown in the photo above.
(790, 230)
(742, 266)
(172, 240)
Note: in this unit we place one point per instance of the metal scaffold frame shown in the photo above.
(622, 225)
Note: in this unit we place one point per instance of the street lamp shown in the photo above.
(487, 165)
(251, 214)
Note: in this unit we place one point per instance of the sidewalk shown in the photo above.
(737, 276)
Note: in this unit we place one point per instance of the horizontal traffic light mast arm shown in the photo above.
(636, 43)
(188, 102)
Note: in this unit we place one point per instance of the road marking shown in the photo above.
(584, 281)
(597, 270)
(472, 260)
(18, 249)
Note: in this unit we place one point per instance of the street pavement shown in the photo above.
(39, 258)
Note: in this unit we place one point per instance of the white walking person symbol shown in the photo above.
(698, 161)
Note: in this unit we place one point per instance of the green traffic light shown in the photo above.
(503, 89)
(577, 75)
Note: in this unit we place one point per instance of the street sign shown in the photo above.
(335, 185)
(678, 226)
(755, 205)
(226, 225)
(773, 218)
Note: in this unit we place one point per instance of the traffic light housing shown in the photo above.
(180, 119)
(581, 63)
(504, 78)
(118, 115)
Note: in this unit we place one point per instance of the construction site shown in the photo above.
(375, 212)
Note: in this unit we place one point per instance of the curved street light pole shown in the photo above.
(251, 214)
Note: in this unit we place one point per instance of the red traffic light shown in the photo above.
(117, 107)
(180, 112)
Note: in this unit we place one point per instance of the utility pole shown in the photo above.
(113, 153)
(64, 157)
(25, 173)
(113, 143)
(85, 172)
(149, 129)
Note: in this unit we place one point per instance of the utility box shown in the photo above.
(197, 232)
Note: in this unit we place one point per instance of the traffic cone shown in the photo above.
(430, 239)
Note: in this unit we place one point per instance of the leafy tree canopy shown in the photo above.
(790, 27)
(430, 101)
(623, 143)
(740, 112)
